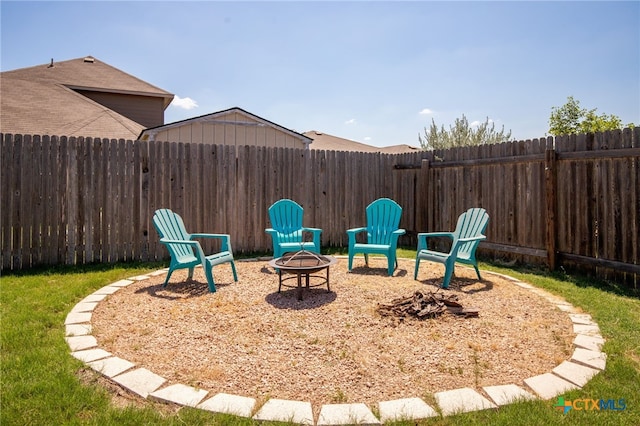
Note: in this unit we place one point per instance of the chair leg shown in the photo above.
(390, 265)
(366, 259)
(350, 261)
(166, 281)
(477, 272)
(233, 268)
(191, 272)
(415, 271)
(447, 275)
(208, 271)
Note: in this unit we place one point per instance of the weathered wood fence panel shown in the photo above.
(598, 202)
(573, 201)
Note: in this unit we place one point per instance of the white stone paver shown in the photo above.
(587, 360)
(588, 329)
(122, 283)
(78, 343)
(111, 367)
(77, 330)
(77, 318)
(593, 343)
(84, 307)
(180, 394)
(90, 355)
(595, 359)
(566, 308)
(523, 285)
(584, 319)
(507, 394)
(109, 289)
(549, 385)
(282, 410)
(405, 409)
(229, 404)
(575, 373)
(346, 414)
(140, 381)
(140, 277)
(94, 298)
(462, 400)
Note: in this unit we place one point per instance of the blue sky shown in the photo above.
(375, 72)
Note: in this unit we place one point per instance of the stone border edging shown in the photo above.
(587, 361)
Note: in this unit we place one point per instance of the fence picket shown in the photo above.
(84, 200)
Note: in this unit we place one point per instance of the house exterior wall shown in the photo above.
(230, 129)
(146, 110)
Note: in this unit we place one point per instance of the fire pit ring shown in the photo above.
(302, 263)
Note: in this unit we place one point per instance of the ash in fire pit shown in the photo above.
(425, 305)
(302, 263)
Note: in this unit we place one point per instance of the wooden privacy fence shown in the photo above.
(573, 201)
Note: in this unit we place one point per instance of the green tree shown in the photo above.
(461, 134)
(571, 119)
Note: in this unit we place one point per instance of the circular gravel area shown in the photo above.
(332, 347)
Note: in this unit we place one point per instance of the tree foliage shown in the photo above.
(460, 134)
(571, 119)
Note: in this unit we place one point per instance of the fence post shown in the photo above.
(142, 149)
(421, 202)
(550, 174)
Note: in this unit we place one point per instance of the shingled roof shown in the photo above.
(324, 141)
(50, 99)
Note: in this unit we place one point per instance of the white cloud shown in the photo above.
(352, 121)
(367, 138)
(426, 111)
(476, 123)
(184, 103)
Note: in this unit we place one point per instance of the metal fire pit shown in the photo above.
(302, 263)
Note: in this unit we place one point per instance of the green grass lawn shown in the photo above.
(40, 384)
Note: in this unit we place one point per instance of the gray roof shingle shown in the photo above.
(323, 141)
(41, 100)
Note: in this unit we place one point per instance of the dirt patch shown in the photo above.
(332, 347)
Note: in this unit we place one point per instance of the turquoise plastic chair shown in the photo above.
(464, 241)
(383, 221)
(187, 253)
(287, 232)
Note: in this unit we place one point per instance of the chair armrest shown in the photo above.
(185, 242)
(423, 236)
(315, 234)
(356, 230)
(210, 236)
(194, 244)
(314, 230)
(226, 239)
(352, 234)
(394, 237)
(456, 247)
(436, 234)
(466, 240)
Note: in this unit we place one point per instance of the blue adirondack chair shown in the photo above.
(186, 252)
(287, 232)
(383, 221)
(464, 241)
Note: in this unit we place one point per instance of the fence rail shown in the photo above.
(570, 201)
